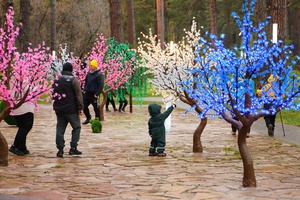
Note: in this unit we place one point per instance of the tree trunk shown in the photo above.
(116, 28)
(261, 12)
(296, 31)
(131, 35)
(3, 142)
(160, 22)
(3, 151)
(249, 179)
(227, 41)
(213, 16)
(25, 28)
(53, 25)
(278, 16)
(102, 104)
(197, 144)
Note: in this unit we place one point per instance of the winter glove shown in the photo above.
(174, 106)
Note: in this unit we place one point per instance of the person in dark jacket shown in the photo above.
(68, 105)
(157, 129)
(269, 91)
(94, 82)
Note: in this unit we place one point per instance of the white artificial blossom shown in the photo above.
(169, 66)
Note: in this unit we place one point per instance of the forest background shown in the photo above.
(77, 22)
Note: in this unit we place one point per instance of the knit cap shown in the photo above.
(68, 67)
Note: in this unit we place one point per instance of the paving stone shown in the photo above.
(115, 163)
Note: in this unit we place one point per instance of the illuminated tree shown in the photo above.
(136, 84)
(116, 61)
(113, 63)
(224, 80)
(169, 68)
(23, 74)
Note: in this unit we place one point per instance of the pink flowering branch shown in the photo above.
(23, 76)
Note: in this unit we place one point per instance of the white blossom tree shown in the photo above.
(169, 68)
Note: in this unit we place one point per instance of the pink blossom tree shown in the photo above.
(115, 66)
(23, 74)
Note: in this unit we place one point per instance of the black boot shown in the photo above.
(16, 150)
(73, 150)
(270, 130)
(60, 153)
(86, 121)
(24, 150)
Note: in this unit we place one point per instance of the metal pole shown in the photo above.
(282, 124)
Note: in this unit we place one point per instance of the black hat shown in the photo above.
(68, 67)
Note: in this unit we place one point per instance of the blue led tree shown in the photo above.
(225, 80)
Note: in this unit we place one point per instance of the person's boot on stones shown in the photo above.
(60, 153)
(87, 120)
(15, 150)
(24, 150)
(73, 150)
(162, 154)
(270, 130)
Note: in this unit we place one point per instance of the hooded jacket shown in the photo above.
(67, 94)
(156, 122)
(94, 82)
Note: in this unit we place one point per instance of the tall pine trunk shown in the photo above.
(25, 28)
(131, 35)
(53, 25)
(278, 14)
(213, 18)
(160, 22)
(116, 23)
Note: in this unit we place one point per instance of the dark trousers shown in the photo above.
(158, 143)
(123, 104)
(110, 100)
(88, 98)
(25, 123)
(269, 119)
(62, 122)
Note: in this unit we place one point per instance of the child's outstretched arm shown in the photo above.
(166, 114)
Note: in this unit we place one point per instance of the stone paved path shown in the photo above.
(115, 163)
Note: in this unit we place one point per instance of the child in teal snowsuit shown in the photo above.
(157, 129)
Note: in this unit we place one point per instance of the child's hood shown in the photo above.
(154, 109)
